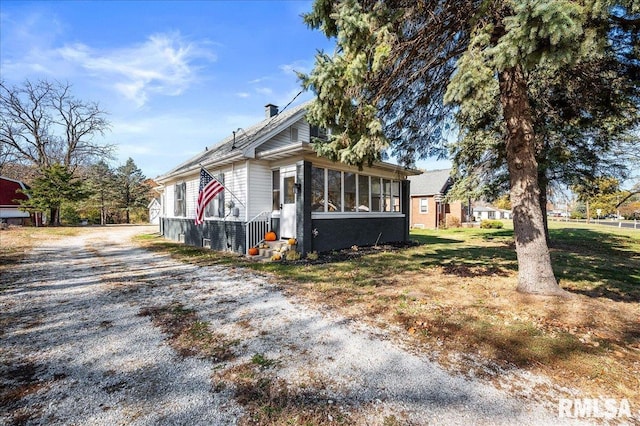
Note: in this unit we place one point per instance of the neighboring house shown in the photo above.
(154, 211)
(275, 181)
(428, 208)
(9, 206)
(490, 213)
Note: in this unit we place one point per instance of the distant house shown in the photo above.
(428, 208)
(9, 203)
(275, 181)
(155, 208)
(490, 213)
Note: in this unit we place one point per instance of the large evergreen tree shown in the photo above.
(55, 186)
(102, 183)
(402, 68)
(131, 190)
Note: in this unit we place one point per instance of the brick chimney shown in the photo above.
(270, 110)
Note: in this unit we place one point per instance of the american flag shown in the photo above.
(209, 188)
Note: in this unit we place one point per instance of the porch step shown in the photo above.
(265, 253)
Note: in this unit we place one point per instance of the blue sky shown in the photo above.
(173, 76)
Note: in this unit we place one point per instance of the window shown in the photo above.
(289, 189)
(317, 132)
(216, 207)
(375, 194)
(349, 192)
(317, 189)
(395, 196)
(334, 191)
(180, 205)
(491, 214)
(275, 185)
(294, 134)
(424, 205)
(363, 193)
(386, 195)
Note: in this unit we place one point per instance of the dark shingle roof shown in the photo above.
(431, 183)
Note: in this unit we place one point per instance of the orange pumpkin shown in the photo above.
(270, 236)
(292, 241)
(253, 251)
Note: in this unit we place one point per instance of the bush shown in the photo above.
(453, 222)
(491, 224)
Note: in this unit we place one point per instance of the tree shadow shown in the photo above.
(471, 261)
(597, 264)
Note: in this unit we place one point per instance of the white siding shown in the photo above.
(303, 130)
(284, 138)
(260, 192)
(192, 197)
(237, 178)
(169, 199)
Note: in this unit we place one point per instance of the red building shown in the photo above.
(9, 204)
(428, 208)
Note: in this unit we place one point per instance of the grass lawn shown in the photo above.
(452, 298)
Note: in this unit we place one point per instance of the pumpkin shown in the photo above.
(292, 241)
(276, 256)
(253, 251)
(270, 236)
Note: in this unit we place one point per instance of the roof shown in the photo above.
(239, 144)
(431, 183)
(8, 188)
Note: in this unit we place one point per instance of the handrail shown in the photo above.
(266, 212)
(250, 238)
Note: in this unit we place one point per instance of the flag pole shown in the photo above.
(225, 188)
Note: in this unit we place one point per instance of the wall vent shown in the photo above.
(206, 242)
(181, 238)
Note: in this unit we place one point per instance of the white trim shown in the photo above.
(354, 215)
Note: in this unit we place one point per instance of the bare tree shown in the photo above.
(42, 124)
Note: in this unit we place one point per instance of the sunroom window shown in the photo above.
(336, 191)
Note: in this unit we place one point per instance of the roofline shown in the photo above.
(22, 184)
(221, 161)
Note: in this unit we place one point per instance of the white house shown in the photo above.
(490, 213)
(275, 181)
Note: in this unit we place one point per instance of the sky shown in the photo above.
(174, 76)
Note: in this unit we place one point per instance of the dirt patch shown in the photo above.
(270, 400)
(189, 335)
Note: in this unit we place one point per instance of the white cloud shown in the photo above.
(164, 64)
(264, 90)
(243, 95)
(258, 80)
(303, 66)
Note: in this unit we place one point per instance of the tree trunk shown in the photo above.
(544, 185)
(535, 274)
(54, 213)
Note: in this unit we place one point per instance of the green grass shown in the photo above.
(595, 261)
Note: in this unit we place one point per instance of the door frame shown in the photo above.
(288, 214)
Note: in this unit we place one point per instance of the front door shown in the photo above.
(288, 202)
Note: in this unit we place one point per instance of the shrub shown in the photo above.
(313, 255)
(491, 224)
(292, 255)
(453, 222)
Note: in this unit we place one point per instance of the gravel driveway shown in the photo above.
(78, 351)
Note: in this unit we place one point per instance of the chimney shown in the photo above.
(270, 110)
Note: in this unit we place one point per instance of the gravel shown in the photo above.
(77, 350)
